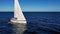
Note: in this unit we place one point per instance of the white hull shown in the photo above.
(18, 21)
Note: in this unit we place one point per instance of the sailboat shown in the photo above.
(19, 21)
(18, 14)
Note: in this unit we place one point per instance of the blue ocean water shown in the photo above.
(37, 22)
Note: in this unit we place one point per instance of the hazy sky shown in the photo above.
(31, 5)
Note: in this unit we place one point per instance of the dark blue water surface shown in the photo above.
(37, 22)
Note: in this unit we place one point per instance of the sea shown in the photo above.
(37, 22)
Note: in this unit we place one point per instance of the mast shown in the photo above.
(18, 12)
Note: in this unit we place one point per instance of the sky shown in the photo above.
(31, 5)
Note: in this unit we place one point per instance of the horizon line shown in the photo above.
(52, 10)
(32, 11)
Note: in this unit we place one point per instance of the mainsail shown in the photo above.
(17, 11)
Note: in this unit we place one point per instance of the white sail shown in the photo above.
(17, 11)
